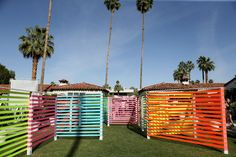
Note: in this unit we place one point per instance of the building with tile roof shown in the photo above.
(179, 86)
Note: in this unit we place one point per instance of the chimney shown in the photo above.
(63, 82)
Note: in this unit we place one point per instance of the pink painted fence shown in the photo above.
(42, 117)
(122, 110)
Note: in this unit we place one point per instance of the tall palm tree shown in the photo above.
(209, 66)
(45, 45)
(190, 67)
(32, 46)
(201, 65)
(143, 6)
(112, 6)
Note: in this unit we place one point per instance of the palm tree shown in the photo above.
(178, 75)
(205, 64)
(201, 65)
(183, 67)
(112, 6)
(143, 6)
(32, 46)
(209, 66)
(118, 87)
(190, 67)
(45, 46)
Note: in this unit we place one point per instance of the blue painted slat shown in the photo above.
(87, 108)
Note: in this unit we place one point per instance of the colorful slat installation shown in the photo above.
(123, 110)
(143, 105)
(80, 115)
(13, 122)
(42, 116)
(193, 117)
(105, 109)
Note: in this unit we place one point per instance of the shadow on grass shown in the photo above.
(74, 147)
(135, 128)
(187, 144)
(138, 130)
(231, 134)
(43, 144)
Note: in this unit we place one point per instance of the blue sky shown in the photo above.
(174, 31)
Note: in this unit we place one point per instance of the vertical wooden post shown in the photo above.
(136, 110)
(29, 138)
(138, 113)
(142, 115)
(226, 151)
(194, 113)
(55, 120)
(148, 137)
(108, 111)
(71, 111)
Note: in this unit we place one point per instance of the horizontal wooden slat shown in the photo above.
(193, 117)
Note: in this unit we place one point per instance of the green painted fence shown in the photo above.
(143, 107)
(105, 109)
(13, 122)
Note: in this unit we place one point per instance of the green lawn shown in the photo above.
(119, 141)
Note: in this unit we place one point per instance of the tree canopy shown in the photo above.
(33, 43)
(135, 90)
(6, 75)
(112, 5)
(211, 81)
(205, 64)
(183, 71)
(118, 87)
(144, 5)
(32, 46)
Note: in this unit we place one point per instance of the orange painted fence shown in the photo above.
(195, 117)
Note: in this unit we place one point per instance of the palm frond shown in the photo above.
(32, 44)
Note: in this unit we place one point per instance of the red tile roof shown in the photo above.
(5, 86)
(168, 86)
(45, 87)
(77, 86)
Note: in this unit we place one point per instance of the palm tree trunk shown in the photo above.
(108, 49)
(206, 76)
(45, 46)
(142, 49)
(202, 76)
(34, 68)
(189, 76)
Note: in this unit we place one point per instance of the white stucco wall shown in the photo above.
(24, 85)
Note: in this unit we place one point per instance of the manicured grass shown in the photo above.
(119, 141)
